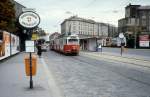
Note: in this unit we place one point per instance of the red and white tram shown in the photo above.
(66, 44)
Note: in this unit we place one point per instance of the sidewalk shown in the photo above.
(14, 82)
(143, 54)
(126, 55)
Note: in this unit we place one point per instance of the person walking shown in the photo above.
(39, 48)
(100, 47)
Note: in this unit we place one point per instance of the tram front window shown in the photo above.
(72, 41)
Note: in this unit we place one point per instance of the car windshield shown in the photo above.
(73, 40)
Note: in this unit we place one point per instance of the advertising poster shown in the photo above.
(2, 46)
(14, 44)
(9, 44)
(144, 41)
(5, 45)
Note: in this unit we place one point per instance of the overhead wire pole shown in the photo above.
(135, 33)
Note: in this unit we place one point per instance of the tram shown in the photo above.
(66, 44)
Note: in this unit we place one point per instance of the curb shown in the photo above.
(9, 57)
(119, 59)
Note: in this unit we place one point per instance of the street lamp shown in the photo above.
(121, 36)
(135, 32)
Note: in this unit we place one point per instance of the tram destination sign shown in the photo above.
(29, 20)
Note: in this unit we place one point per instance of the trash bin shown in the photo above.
(27, 65)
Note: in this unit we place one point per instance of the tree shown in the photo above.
(7, 16)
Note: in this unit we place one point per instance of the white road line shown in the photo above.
(51, 82)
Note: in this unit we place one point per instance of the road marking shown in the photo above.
(51, 82)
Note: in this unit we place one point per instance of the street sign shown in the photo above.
(29, 19)
(121, 35)
(30, 46)
(35, 37)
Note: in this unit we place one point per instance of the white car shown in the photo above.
(45, 47)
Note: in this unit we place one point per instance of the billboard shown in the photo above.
(144, 41)
(14, 44)
(9, 44)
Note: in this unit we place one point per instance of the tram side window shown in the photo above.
(65, 41)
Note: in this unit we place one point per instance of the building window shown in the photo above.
(143, 20)
(74, 27)
(149, 22)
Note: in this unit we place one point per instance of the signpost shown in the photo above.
(29, 20)
(121, 36)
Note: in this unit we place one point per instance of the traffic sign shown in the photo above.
(30, 46)
(121, 35)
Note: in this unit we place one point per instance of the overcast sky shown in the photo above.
(53, 12)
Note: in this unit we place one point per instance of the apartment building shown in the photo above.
(88, 30)
(18, 7)
(135, 23)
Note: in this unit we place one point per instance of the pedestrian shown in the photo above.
(100, 47)
(39, 48)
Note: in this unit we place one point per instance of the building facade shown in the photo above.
(20, 32)
(54, 35)
(88, 30)
(18, 8)
(135, 23)
(80, 26)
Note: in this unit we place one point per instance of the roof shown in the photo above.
(144, 8)
(76, 18)
(130, 5)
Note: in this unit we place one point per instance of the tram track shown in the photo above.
(93, 62)
(116, 72)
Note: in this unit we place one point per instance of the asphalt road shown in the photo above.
(81, 76)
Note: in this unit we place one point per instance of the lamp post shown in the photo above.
(135, 31)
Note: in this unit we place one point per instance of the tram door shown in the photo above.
(83, 44)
